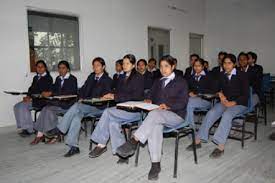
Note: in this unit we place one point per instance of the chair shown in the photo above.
(179, 131)
(36, 111)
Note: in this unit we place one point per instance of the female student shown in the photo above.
(233, 96)
(97, 85)
(130, 88)
(65, 84)
(171, 94)
(148, 77)
(41, 84)
(199, 83)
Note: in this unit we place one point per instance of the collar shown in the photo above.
(120, 73)
(152, 70)
(142, 73)
(233, 72)
(202, 73)
(221, 69)
(127, 74)
(170, 77)
(65, 77)
(42, 75)
(246, 69)
(99, 76)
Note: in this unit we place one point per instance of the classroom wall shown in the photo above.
(241, 25)
(108, 28)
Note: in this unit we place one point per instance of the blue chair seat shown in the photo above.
(184, 124)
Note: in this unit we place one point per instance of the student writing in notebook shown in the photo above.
(130, 88)
(97, 85)
(65, 84)
(41, 84)
(234, 92)
(170, 92)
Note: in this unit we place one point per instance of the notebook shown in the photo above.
(207, 96)
(59, 97)
(95, 100)
(138, 104)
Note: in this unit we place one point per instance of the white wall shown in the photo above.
(108, 28)
(241, 25)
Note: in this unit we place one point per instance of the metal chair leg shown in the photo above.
(243, 133)
(176, 156)
(255, 128)
(137, 154)
(85, 128)
(194, 146)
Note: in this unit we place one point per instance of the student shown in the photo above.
(130, 88)
(148, 76)
(152, 67)
(171, 94)
(258, 70)
(199, 83)
(234, 92)
(97, 85)
(189, 70)
(206, 65)
(41, 84)
(65, 84)
(177, 71)
(119, 72)
(218, 69)
(253, 78)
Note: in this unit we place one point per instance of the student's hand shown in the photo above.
(148, 101)
(230, 104)
(46, 94)
(109, 96)
(27, 99)
(192, 94)
(222, 97)
(163, 107)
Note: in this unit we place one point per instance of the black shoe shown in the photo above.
(154, 171)
(190, 147)
(25, 133)
(72, 151)
(97, 151)
(123, 160)
(53, 133)
(272, 136)
(217, 153)
(127, 149)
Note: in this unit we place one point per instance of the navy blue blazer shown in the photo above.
(38, 86)
(96, 89)
(236, 89)
(69, 88)
(174, 95)
(115, 79)
(148, 80)
(131, 88)
(203, 86)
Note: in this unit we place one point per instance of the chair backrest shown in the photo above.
(266, 82)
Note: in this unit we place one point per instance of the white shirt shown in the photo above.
(99, 76)
(233, 72)
(63, 78)
(154, 69)
(42, 75)
(168, 78)
(202, 73)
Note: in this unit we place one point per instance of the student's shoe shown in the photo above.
(123, 160)
(25, 133)
(190, 147)
(217, 153)
(36, 140)
(154, 171)
(127, 149)
(272, 136)
(97, 151)
(72, 151)
(53, 133)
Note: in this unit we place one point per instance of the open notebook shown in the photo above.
(59, 97)
(138, 104)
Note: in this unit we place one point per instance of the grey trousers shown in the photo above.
(48, 119)
(109, 127)
(23, 116)
(151, 130)
(71, 121)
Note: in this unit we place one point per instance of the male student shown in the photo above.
(219, 68)
(189, 70)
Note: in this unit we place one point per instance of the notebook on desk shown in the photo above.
(138, 104)
(95, 100)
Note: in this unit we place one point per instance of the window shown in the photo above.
(196, 44)
(53, 38)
